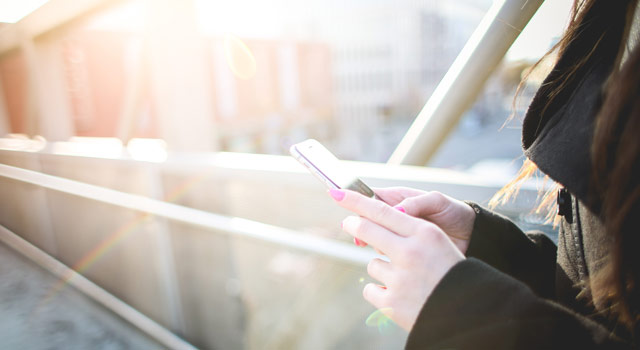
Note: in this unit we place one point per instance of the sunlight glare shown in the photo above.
(96, 147)
(12, 11)
(149, 150)
(23, 143)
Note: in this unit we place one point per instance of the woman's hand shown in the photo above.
(454, 217)
(420, 254)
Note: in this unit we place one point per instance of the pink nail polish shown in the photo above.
(400, 209)
(337, 195)
(359, 243)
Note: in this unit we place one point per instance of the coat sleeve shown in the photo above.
(530, 258)
(476, 306)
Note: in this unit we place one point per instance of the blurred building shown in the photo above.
(389, 56)
(339, 73)
(291, 79)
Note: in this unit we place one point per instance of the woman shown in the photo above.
(462, 277)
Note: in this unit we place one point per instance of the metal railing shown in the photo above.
(464, 80)
(265, 201)
(230, 225)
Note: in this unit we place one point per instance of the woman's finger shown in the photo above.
(395, 195)
(376, 295)
(377, 211)
(380, 270)
(373, 234)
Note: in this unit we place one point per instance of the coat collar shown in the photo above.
(557, 132)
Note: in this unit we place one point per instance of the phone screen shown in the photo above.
(326, 167)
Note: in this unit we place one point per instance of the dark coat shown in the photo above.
(521, 291)
(512, 292)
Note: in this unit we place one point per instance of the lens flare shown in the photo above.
(94, 255)
(239, 58)
(380, 320)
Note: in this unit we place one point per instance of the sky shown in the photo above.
(543, 30)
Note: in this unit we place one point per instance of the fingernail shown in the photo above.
(359, 243)
(400, 209)
(383, 287)
(337, 195)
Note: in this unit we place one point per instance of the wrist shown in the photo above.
(471, 211)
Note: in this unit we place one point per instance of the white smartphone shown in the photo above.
(326, 167)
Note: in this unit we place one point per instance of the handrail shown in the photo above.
(234, 226)
(126, 312)
(464, 80)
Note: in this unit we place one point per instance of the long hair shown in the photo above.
(615, 155)
(616, 179)
(529, 169)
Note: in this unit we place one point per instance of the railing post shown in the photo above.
(5, 125)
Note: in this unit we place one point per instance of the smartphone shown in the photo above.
(326, 167)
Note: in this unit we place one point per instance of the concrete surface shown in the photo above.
(68, 320)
